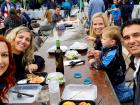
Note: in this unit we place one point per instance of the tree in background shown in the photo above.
(136, 1)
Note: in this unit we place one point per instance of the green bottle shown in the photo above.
(59, 58)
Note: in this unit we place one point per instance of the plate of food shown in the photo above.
(56, 76)
(37, 78)
(52, 49)
(34, 78)
(77, 102)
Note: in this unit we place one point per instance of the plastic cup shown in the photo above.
(54, 92)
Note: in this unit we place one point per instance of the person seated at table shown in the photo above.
(57, 15)
(7, 70)
(110, 60)
(47, 22)
(22, 41)
(48, 16)
(26, 20)
(99, 22)
(12, 20)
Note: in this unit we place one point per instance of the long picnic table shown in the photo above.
(105, 92)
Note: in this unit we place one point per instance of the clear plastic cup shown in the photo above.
(54, 92)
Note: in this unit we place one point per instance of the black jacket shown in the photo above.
(136, 87)
(20, 66)
(137, 90)
(98, 44)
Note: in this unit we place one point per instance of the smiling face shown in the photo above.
(4, 58)
(21, 42)
(98, 25)
(131, 39)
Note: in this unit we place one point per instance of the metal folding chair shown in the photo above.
(45, 31)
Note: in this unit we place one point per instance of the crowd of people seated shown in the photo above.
(106, 32)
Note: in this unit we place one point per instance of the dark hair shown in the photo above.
(7, 79)
(58, 7)
(19, 11)
(128, 23)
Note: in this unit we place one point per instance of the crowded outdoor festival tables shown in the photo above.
(99, 78)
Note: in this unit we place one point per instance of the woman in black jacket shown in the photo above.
(22, 42)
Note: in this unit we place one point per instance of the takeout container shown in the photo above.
(79, 46)
(79, 92)
(32, 89)
(40, 74)
(77, 102)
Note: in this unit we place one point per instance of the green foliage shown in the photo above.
(38, 1)
(136, 1)
(13, 1)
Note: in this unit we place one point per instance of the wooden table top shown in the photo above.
(105, 92)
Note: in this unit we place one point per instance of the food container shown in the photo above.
(80, 47)
(78, 102)
(32, 89)
(33, 78)
(72, 55)
(55, 76)
(79, 92)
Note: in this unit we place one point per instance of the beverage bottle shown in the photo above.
(59, 58)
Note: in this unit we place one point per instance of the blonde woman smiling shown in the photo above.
(99, 22)
(22, 42)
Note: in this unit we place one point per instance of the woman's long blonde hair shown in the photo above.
(48, 15)
(100, 15)
(28, 54)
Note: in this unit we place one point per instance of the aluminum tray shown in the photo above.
(79, 92)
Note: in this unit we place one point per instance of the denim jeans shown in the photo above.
(123, 92)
